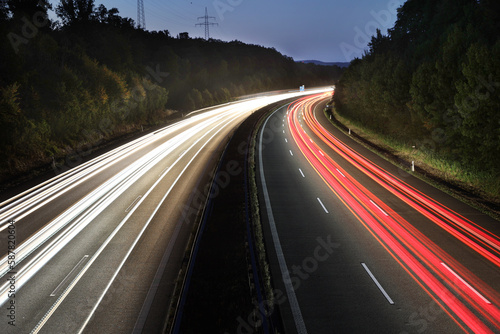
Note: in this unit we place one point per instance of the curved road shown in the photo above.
(97, 249)
(360, 246)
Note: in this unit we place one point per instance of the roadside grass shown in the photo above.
(477, 188)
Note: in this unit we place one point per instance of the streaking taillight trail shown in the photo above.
(476, 237)
(468, 300)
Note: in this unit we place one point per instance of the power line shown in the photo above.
(207, 24)
(141, 18)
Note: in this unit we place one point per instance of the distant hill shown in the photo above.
(317, 62)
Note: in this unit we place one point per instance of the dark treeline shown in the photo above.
(92, 75)
(433, 81)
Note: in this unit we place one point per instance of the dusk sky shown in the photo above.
(316, 29)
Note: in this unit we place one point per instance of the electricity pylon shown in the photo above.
(141, 18)
(207, 24)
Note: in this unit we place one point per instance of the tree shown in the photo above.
(28, 8)
(98, 76)
(379, 43)
(207, 98)
(103, 15)
(75, 11)
(433, 79)
(195, 95)
(10, 113)
(477, 102)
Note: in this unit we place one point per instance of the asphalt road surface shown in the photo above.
(97, 249)
(357, 245)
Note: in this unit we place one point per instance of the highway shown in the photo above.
(98, 248)
(357, 245)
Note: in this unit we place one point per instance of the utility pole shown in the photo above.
(141, 18)
(207, 24)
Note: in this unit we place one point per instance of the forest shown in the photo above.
(433, 82)
(91, 75)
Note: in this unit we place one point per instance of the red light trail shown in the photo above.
(468, 300)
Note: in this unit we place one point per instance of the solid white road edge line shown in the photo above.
(292, 298)
(146, 306)
(176, 231)
(98, 252)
